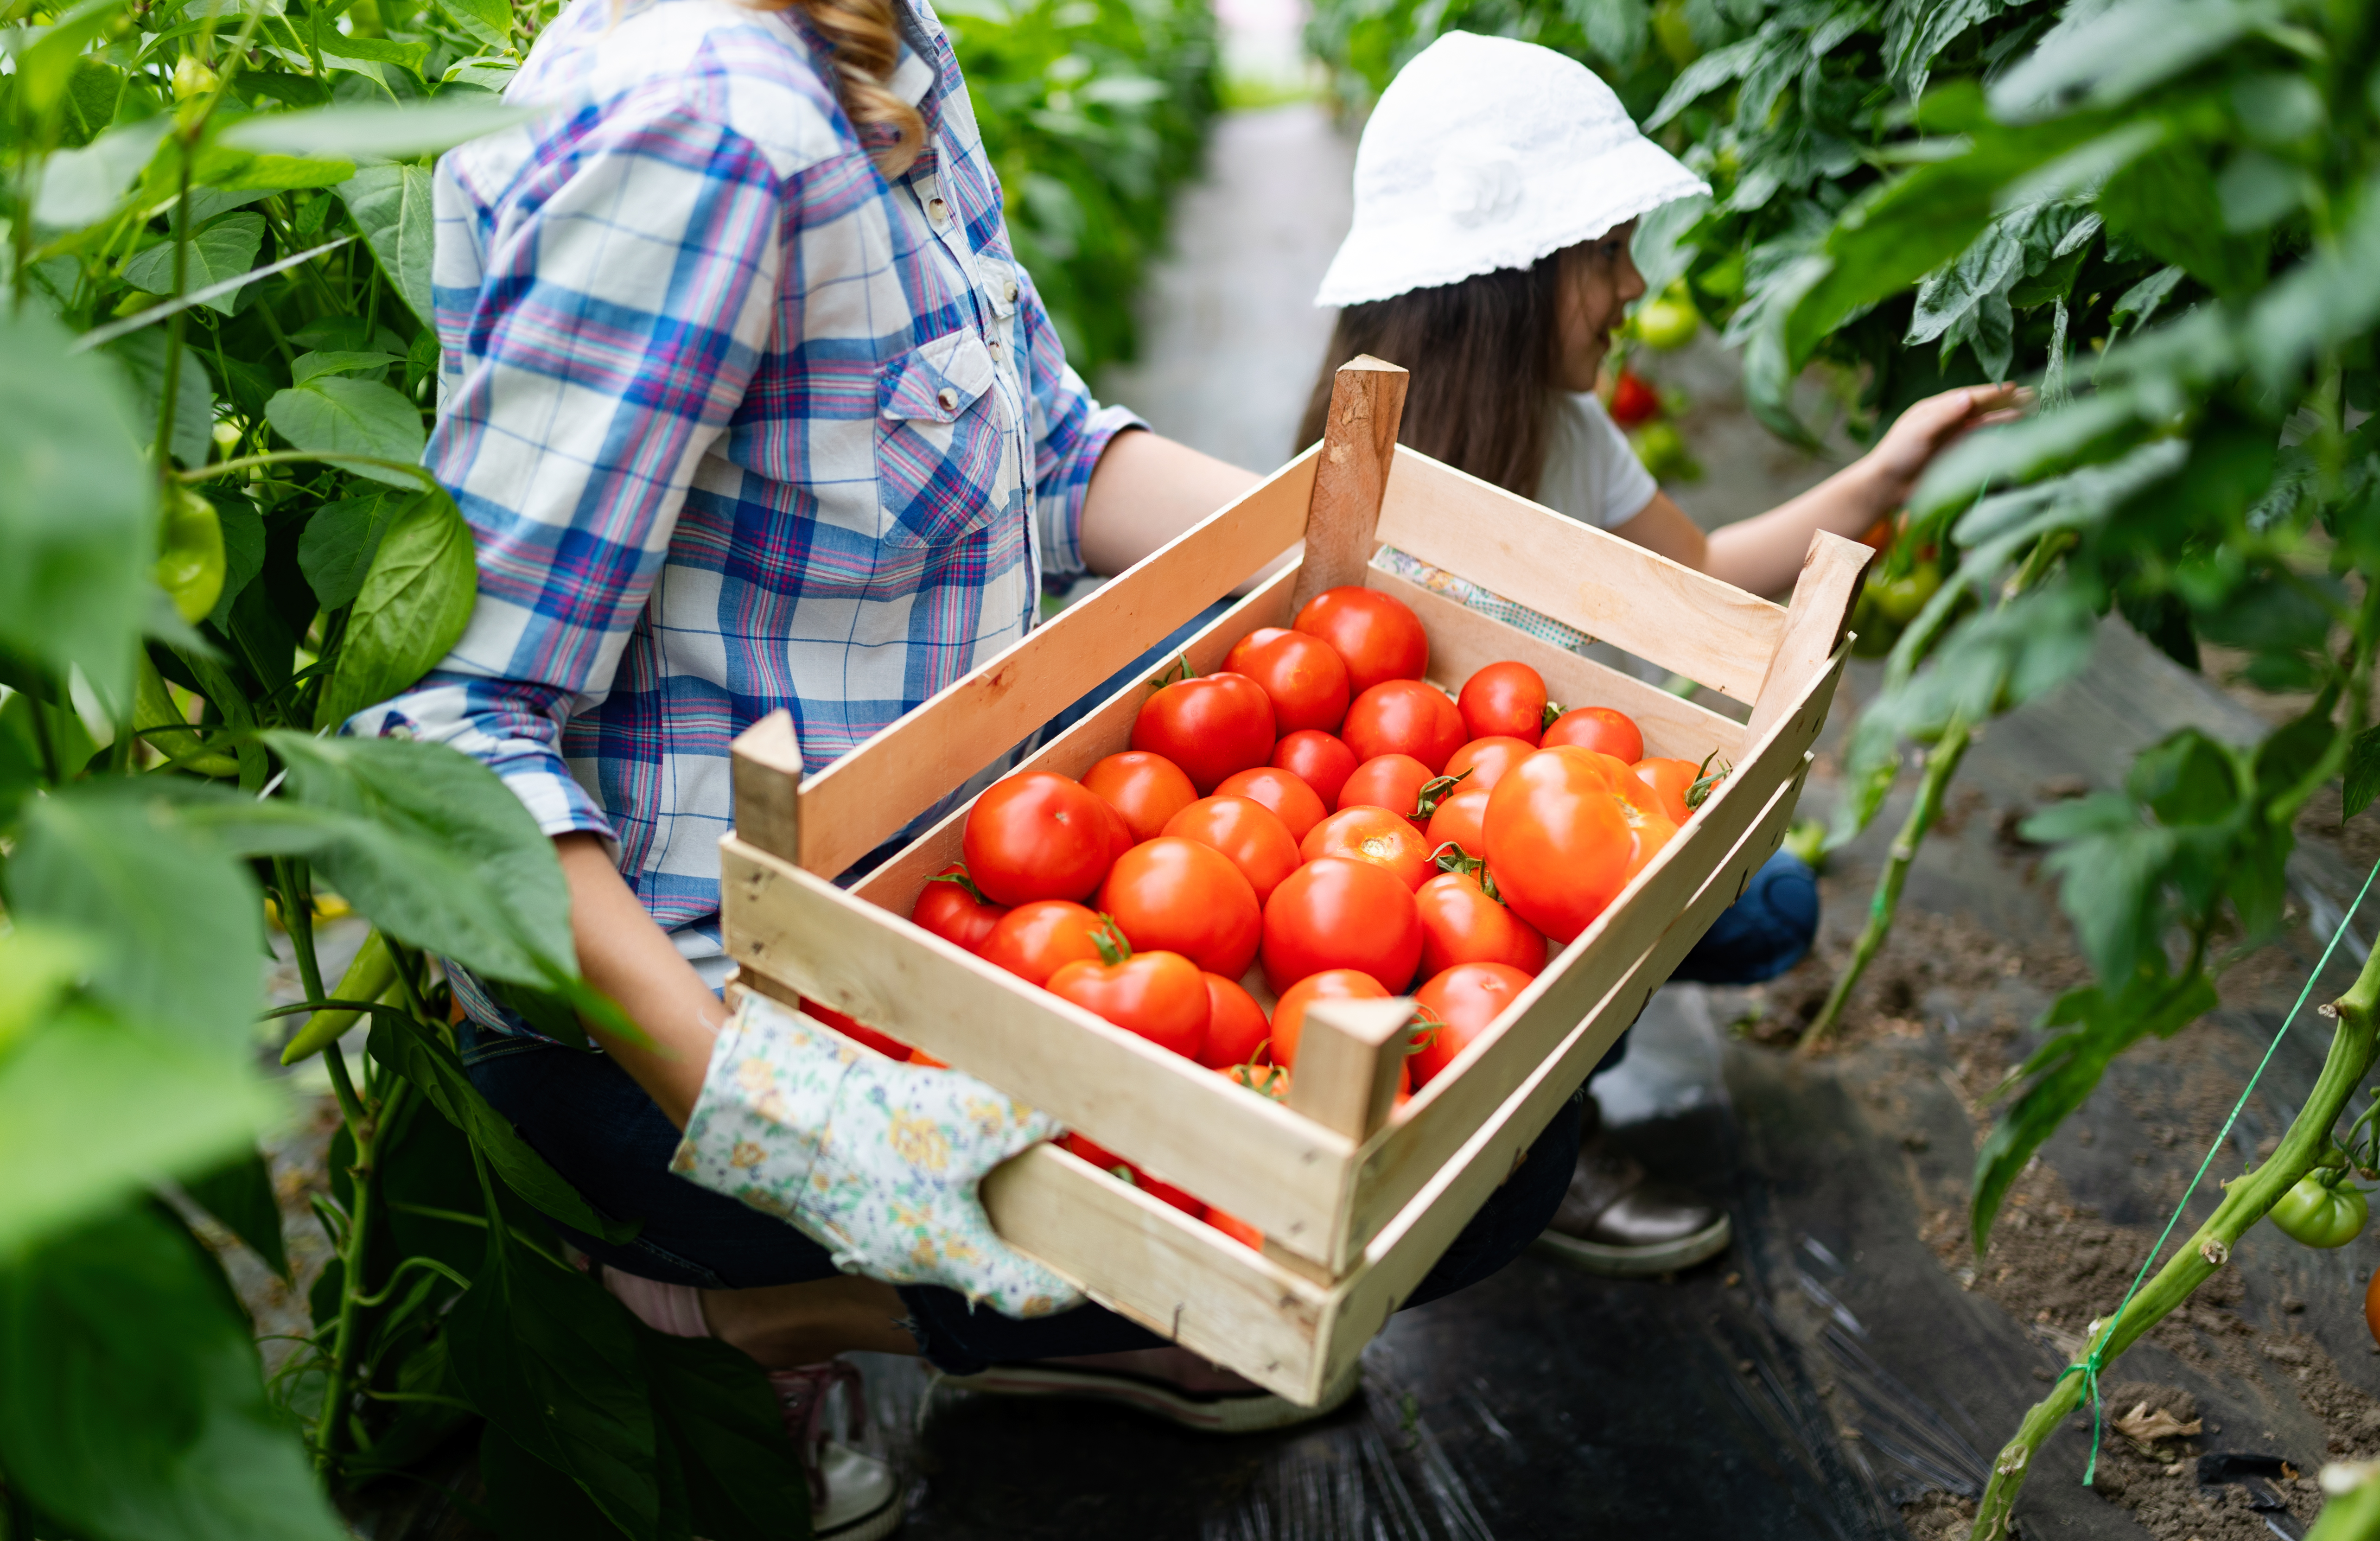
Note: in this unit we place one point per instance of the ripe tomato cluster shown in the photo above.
(1313, 821)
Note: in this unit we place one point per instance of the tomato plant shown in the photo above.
(1378, 638)
(1403, 717)
(1210, 726)
(1178, 895)
(1336, 913)
(2322, 1209)
(1319, 759)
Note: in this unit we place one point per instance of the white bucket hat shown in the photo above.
(1487, 153)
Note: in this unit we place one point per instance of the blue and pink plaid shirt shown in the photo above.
(737, 424)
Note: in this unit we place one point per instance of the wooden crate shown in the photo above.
(1356, 1202)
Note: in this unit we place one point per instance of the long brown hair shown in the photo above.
(865, 36)
(1482, 355)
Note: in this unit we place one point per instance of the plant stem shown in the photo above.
(363, 1127)
(1941, 763)
(2248, 1198)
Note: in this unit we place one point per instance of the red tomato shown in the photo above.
(1236, 1027)
(1489, 759)
(1634, 402)
(1391, 782)
(1461, 820)
(1558, 844)
(1600, 729)
(1146, 789)
(1375, 835)
(954, 911)
(1461, 925)
(1378, 638)
(1305, 680)
(920, 1057)
(883, 1043)
(1404, 717)
(1462, 1000)
(1505, 700)
(1263, 1080)
(1649, 829)
(1037, 836)
(1320, 760)
(1210, 726)
(1235, 1228)
(1334, 913)
(1246, 832)
(1156, 995)
(1332, 984)
(1670, 780)
(1124, 1172)
(1175, 896)
(1284, 791)
(1035, 940)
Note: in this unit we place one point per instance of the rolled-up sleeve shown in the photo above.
(602, 317)
(1070, 432)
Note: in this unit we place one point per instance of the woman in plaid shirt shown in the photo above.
(749, 405)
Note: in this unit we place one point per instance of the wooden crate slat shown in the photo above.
(1359, 437)
(1711, 632)
(1401, 1159)
(863, 800)
(1463, 641)
(1815, 624)
(894, 885)
(1403, 1254)
(1186, 1123)
(1147, 1261)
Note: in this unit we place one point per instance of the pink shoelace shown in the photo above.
(802, 1394)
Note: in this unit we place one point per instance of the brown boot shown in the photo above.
(1617, 1220)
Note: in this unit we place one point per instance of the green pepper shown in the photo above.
(1902, 598)
(2324, 1209)
(1669, 321)
(367, 978)
(190, 554)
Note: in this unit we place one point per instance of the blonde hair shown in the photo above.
(865, 36)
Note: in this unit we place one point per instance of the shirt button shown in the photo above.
(937, 210)
(949, 398)
(1012, 291)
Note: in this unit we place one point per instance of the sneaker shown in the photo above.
(852, 1495)
(1617, 1220)
(1169, 1383)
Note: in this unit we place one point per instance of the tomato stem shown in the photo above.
(1434, 792)
(1111, 941)
(963, 881)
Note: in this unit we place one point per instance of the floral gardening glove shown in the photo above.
(876, 1161)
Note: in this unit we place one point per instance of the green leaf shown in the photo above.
(1718, 67)
(2109, 867)
(2166, 203)
(89, 106)
(82, 186)
(719, 1414)
(337, 546)
(311, 366)
(433, 1067)
(391, 206)
(2090, 429)
(244, 547)
(529, 1501)
(142, 355)
(395, 132)
(46, 65)
(547, 1355)
(181, 923)
(2105, 55)
(357, 416)
(38, 966)
(167, 1107)
(132, 1407)
(443, 855)
(78, 508)
(1917, 31)
(491, 21)
(224, 250)
(414, 602)
(239, 1193)
(2362, 773)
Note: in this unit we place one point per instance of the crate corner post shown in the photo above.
(1359, 441)
(768, 782)
(1815, 619)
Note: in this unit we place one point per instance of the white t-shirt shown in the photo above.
(1591, 474)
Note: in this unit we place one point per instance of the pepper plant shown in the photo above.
(2165, 214)
(216, 374)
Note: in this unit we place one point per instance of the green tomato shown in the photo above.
(190, 554)
(2314, 1213)
(1902, 598)
(1663, 451)
(1667, 323)
(191, 78)
(1873, 632)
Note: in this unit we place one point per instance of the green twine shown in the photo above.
(2090, 1365)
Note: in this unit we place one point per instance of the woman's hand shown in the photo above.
(1931, 425)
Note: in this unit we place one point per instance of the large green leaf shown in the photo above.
(82, 186)
(440, 853)
(339, 541)
(414, 602)
(547, 1355)
(223, 251)
(394, 133)
(2105, 55)
(78, 508)
(142, 355)
(721, 1419)
(391, 205)
(181, 923)
(354, 417)
(131, 1408)
(93, 1110)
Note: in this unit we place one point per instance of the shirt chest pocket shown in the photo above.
(941, 441)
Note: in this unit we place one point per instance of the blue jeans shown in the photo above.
(599, 1129)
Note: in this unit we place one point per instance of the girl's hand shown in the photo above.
(1931, 425)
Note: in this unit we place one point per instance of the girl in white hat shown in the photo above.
(1497, 188)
